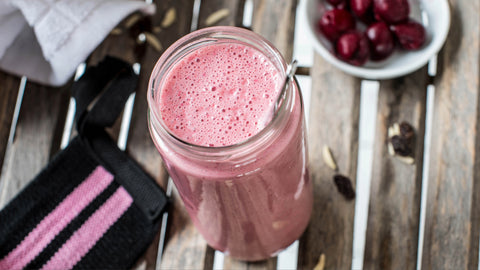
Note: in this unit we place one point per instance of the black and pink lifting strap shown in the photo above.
(92, 207)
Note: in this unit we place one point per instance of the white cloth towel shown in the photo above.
(46, 40)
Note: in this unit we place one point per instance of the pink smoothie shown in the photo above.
(249, 206)
(220, 95)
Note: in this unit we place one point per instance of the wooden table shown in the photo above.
(452, 222)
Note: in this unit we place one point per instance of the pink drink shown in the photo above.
(240, 167)
(220, 95)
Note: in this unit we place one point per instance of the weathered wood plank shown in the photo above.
(142, 148)
(275, 20)
(37, 136)
(209, 7)
(185, 247)
(140, 145)
(182, 240)
(8, 95)
(394, 211)
(334, 113)
(453, 213)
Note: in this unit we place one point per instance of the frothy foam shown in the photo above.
(219, 95)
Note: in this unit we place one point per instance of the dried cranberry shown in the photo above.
(401, 146)
(344, 186)
(335, 22)
(406, 130)
(411, 35)
(362, 9)
(381, 41)
(352, 47)
(391, 11)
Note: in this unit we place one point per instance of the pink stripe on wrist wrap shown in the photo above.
(57, 220)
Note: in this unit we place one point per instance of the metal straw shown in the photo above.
(291, 68)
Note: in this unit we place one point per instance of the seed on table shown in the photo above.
(321, 263)
(169, 18)
(407, 160)
(217, 16)
(328, 158)
(116, 31)
(132, 20)
(153, 41)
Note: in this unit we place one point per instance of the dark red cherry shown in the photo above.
(336, 3)
(391, 11)
(361, 8)
(411, 35)
(343, 5)
(336, 22)
(352, 47)
(381, 41)
(340, 4)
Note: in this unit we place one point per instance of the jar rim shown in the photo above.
(207, 35)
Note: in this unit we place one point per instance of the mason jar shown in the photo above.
(250, 199)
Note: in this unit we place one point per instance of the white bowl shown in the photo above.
(433, 14)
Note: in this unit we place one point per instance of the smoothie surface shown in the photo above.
(220, 94)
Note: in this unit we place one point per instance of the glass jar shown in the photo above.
(251, 199)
